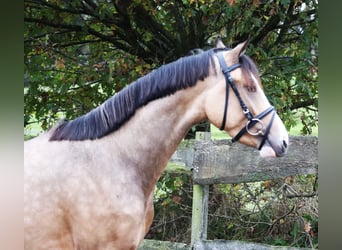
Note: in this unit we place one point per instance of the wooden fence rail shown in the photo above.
(223, 162)
(220, 161)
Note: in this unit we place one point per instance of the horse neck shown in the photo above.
(152, 135)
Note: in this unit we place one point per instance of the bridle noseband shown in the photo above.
(252, 121)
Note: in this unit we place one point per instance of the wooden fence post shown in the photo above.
(199, 221)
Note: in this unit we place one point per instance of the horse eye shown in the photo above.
(250, 87)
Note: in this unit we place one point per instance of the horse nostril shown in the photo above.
(285, 143)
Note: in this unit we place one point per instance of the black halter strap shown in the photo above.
(252, 121)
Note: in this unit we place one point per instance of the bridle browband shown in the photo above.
(252, 121)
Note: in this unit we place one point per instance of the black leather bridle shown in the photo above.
(252, 121)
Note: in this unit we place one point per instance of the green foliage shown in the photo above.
(79, 53)
(172, 204)
(280, 212)
(71, 84)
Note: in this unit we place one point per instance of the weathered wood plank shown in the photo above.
(223, 162)
(184, 157)
(238, 245)
(162, 245)
(199, 221)
(211, 245)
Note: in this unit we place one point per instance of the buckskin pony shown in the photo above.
(89, 182)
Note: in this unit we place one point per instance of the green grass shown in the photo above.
(217, 134)
(296, 130)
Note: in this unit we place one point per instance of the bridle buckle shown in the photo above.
(246, 111)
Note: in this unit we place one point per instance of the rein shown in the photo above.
(252, 121)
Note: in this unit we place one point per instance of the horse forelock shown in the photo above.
(113, 113)
(250, 72)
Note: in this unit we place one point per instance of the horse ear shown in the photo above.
(219, 44)
(240, 49)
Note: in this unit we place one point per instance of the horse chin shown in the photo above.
(267, 151)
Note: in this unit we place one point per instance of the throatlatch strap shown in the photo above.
(226, 70)
(225, 107)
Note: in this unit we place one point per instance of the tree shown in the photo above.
(79, 53)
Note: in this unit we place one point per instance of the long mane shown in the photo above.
(113, 113)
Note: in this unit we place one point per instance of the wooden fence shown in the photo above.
(220, 161)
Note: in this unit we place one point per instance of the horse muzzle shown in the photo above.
(276, 143)
(269, 150)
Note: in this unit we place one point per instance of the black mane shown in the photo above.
(118, 109)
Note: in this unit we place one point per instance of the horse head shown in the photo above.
(237, 103)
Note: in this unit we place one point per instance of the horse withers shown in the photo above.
(89, 182)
